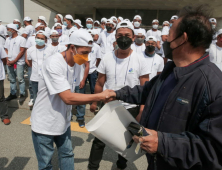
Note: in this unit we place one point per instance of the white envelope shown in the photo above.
(109, 125)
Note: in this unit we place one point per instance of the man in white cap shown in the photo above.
(15, 48)
(3, 33)
(138, 44)
(107, 38)
(215, 51)
(62, 37)
(42, 20)
(19, 27)
(154, 62)
(173, 19)
(55, 46)
(137, 21)
(78, 24)
(114, 19)
(59, 20)
(89, 24)
(35, 56)
(123, 67)
(29, 29)
(97, 29)
(103, 23)
(213, 22)
(56, 97)
(3, 104)
(68, 22)
(120, 19)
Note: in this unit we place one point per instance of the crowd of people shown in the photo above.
(177, 101)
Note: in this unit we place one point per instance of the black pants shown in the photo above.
(98, 146)
(3, 103)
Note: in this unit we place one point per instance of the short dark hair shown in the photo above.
(195, 22)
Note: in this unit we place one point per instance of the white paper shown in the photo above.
(109, 125)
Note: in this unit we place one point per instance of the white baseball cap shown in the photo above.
(27, 19)
(125, 24)
(38, 24)
(155, 20)
(126, 20)
(42, 18)
(69, 17)
(174, 17)
(219, 32)
(120, 18)
(77, 21)
(151, 38)
(213, 20)
(137, 17)
(89, 19)
(97, 22)
(17, 20)
(103, 20)
(57, 24)
(113, 18)
(60, 16)
(80, 37)
(110, 21)
(166, 22)
(139, 32)
(42, 32)
(54, 32)
(12, 26)
(91, 32)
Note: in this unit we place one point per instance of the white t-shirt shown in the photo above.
(138, 49)
(47, 31)
(13, 46)
(30, 41)
(215, 54)
(93, 55)
(69, 31)
(2, 69)
(123, 72)
(37, 56)
(3, 32)
(21, 31)
(55, 49)
(50, 115)
(29, 30)
(136, 30)
(106, 41)
(98, 30)
(155, 63)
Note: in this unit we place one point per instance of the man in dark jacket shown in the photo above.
(183, 105)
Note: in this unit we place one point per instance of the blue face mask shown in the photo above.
(39, 42)
(17, 26)
(75, 26)
(65, 23)
(89, 26)
(96, 27)
(171, 24)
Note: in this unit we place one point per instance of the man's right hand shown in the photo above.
(93, 107)
(108, 96)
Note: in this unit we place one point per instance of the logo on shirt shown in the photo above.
(182, 101)
(92, 51)
(131, 71)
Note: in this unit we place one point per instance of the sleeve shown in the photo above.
(28, 43)
(202, 148)
(66, 39)
(143, 67)
(7, 44)
(136, 95)
(26, 30)
(99, 41)
(55, 79)
(101, 69)
(148, 33)
(3, 54)
(98, 54)
(29, 54)
(23, 42)
(161, 65)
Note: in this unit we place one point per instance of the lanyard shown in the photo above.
(73, 80)
(126, 69)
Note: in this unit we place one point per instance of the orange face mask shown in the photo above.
(80, 58)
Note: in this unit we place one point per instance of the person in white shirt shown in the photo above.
(42, 20)
(89, 24)
(78, 24)
(35, 56)
(59, 20)
(97, 29)
(15, 48)
(137, 21)
(55, 46)
(153, 61)
(3, 104)
(103, 23)
(156, 33)
(213, 22)
(68, 22)
(3, 33)
(215, 51)
(19, 27)
(138, 45)
(51, 114)
(115, 20)
(107, 38)
(63, 38)
(117, 69)
(29, 29)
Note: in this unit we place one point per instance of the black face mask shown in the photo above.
(150, 48)
(108, 28)
(168, 52)
(124, 42)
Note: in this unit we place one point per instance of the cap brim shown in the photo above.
(67, 43)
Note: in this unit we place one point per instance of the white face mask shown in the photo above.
(136, 24)
(55, 19)
(213, 26)
(155, 26)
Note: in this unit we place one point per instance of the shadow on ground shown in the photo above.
(18, 163)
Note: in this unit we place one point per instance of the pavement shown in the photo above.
(17, 151)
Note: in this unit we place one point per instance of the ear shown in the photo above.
(185, 37)
(133, 37)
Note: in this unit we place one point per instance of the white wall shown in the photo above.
(34, 10)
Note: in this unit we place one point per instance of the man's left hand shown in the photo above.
(12, 62)
(148, 143)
